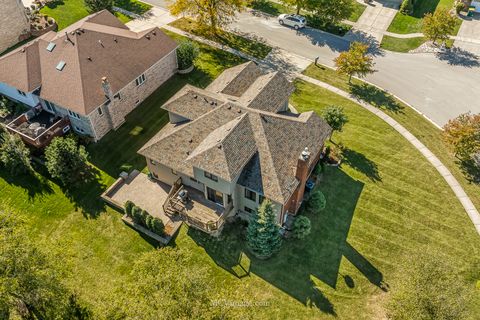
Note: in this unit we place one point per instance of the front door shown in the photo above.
(215, 196)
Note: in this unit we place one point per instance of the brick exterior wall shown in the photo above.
(114, 113)
(13, 23)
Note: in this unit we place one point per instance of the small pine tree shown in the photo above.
(128, 208)
(317, 202)
(98, 5)
(263, 232)
(149, 222)
(14, 155)
(301, 227)
(137, 215)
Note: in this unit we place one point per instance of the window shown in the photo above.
(20, 92)
(247, 209)
(140, 80)
(210, 176)
(194, 180)
(79, 129)
(249, 194)
(73, 114)
(100, 111)
(49, 106)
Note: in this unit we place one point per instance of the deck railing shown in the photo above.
(57, 129)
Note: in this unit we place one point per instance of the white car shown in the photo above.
(292, 20)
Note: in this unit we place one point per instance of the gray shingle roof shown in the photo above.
(235, 81)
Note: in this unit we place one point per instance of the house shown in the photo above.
(14, 24)
(233, 145)
(93, 73)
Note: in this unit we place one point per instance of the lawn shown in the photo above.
(401, 44)
(251, 47)
(420, 127)
(382, 204)
(412, 24)
(66, 12)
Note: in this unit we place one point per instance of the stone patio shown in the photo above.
(146, 194)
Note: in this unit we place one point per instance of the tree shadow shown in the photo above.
(470, 169)
(459, 57)
(324, 39)
(33, 183)
(264, 7)
(376, 97)
(361, 163)
(366, 38)
(54, 4)
(132, 6)
(301, 267)
(85, 195)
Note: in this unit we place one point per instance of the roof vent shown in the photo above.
(154, 33)
(89, 58)
(23, 49)
(212, 103)
(147, 36)
(82, 30)
(229, 107)
(72, 33)
(190, 140)
(60, 65)
(219, 146)
(51, 46)
(195, 96)
(101, 43)
(188, 152)
(239, 110)
(115, 39)
(305, 154)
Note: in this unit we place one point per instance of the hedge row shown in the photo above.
(143, 218)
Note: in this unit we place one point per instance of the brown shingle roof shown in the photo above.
(235, 81)
(232, 141)
(99, 46)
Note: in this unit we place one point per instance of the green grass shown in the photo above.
(358, 9)
(248, 46)
(401, 44)
(382, 204)
(413, 23)
(67, 12)
(420, 127)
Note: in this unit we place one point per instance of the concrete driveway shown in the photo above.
(470, 29)
(376, 18)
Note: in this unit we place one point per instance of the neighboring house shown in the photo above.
(94, 73)
(235, 144)
(14, 23)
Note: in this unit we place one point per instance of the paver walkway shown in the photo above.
(444, 172)
(289, 61)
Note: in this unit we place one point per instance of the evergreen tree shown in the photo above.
(263, 232)
(301, 227)
(14, 155)
(98, 5)
(335, 117)
(66, 161)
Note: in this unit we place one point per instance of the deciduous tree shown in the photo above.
(439, 25)
(331, 12)
(433, 290)
(66, 161)
(263, 232)
(355, 61)
(162, 286)
(335, 117)
(463, 134)
(14, 155)
(212, 13)
(297, 4)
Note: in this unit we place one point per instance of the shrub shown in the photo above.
(187, 52)
(317, 202)
(335, 117)
(157, 226)
(406, 7)
(98, 5)
(301, 227)
(149, 222)
(129, 208)
(459, 7)
(137, 215)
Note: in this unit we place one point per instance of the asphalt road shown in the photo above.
(440, 86)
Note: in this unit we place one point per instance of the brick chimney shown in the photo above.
(107, 88)
(303, 166)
